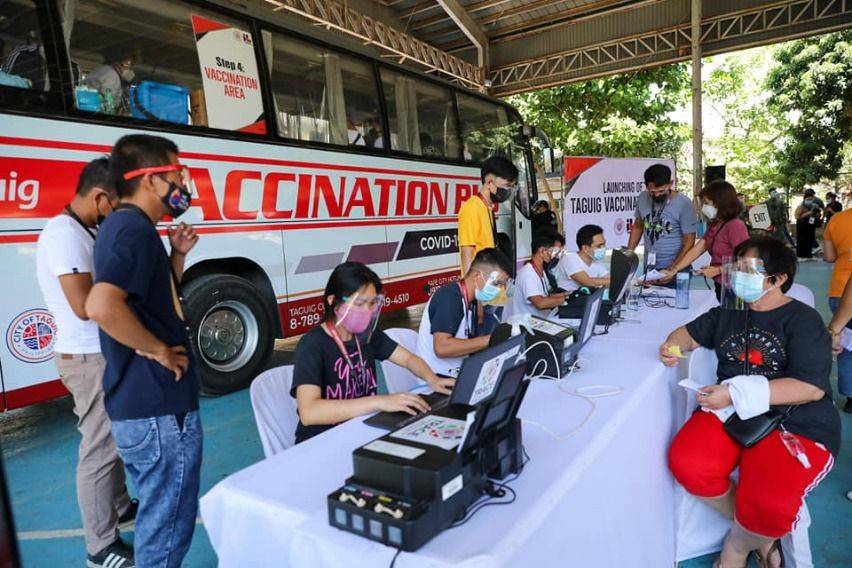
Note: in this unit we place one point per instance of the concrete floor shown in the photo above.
(39, 449)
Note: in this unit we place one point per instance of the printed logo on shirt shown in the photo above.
(30, 336)
(351, 384)
(654, 229)
(766, 354)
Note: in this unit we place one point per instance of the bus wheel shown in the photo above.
(232, 333)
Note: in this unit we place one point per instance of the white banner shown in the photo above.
(603, 192)
(229, 74)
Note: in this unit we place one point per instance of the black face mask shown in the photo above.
(660, 199)
(177, 200)
(502, 194)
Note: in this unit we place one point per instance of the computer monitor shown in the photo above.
(625, 264)
(501, 409)
(480, 373)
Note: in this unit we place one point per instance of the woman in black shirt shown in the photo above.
(334, 378)
(783, 346)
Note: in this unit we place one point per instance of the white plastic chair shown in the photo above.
(400, 379)
(796, 544)
(274, 409)
(802, 293)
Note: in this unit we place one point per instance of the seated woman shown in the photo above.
(334, 378)
(777, 352)
(726, 230)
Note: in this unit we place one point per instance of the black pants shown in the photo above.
(805, 238)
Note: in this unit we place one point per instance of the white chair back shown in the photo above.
(802, 293)
(400, 379)
(274, 409)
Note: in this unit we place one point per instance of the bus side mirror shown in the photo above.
(548, 160)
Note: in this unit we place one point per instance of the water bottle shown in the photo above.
(682, 297)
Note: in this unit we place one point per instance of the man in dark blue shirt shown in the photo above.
(150, 382)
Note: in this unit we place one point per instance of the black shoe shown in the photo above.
(130, 513)
(848, 406)
(116, 555)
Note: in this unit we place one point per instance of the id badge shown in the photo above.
(652, 259)
(811, 221)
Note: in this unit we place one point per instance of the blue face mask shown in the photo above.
(748, 286)
(489, 291)
(599, 254)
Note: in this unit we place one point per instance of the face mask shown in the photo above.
(502, 194)
(177, 200)
(709, 211)
(748, 286)
(128, 75)
(808, 201)
(488, 292)
(599, 254)
(660, 199)
(353, 319)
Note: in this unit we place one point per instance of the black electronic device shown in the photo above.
(407, 487)
(459, 401)
(546, 340)
(623, 269)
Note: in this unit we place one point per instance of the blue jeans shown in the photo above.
(164, 462)
(844, 360)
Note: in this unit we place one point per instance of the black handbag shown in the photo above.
(749, 432)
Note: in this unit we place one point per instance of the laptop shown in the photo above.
(587, 325)
(476, 383)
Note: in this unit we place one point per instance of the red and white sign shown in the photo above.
(229, 76)
(603, 192)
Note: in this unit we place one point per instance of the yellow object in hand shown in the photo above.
(675, 350)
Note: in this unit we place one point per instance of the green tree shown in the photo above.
(812, 85)
(621, 116)
(742, 131)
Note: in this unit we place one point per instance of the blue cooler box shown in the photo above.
(166, 102)
(88, 99)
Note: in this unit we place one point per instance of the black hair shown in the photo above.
(542, 239)
(809, 192)
(136, 151)
(491, 258)
(499, 166)
(587, 234)
(345, 280)
(658, 174)
(830, 194)
(95, 174)
(776, 256)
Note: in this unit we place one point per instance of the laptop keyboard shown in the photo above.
(435, 400)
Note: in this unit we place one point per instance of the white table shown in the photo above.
(601, 497)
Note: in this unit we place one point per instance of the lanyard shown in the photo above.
(176, 294)
(656, 217)
(491, 218)
(466, 305)
(76, 217)
(359, 371)
(544, 286)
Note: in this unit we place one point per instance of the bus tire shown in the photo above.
(231, 331)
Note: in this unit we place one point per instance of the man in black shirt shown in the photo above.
(784, 344)
(543, 217)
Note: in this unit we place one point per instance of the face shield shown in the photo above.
(743, 283)
(359, 314)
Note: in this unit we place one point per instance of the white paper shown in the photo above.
(391, 449)
(846, 339)
(722, 413)
(488, 376)
(692, 385)
(440, 431)
(652, 276)
(547, 327)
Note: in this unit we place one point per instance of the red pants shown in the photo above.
(773, 484)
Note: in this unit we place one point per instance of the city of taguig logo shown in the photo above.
(30, 336)
(618, 226)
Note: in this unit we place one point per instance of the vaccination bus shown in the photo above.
(302, 154)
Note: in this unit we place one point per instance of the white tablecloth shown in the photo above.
(602, 497)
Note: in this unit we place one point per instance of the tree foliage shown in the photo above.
(812, 85)
(621, 116)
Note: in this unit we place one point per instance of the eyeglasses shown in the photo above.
(182, 169)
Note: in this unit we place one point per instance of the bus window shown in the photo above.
(420, 115)
(321, 95)
(164, 61)
(486, 129)
(22, 61)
